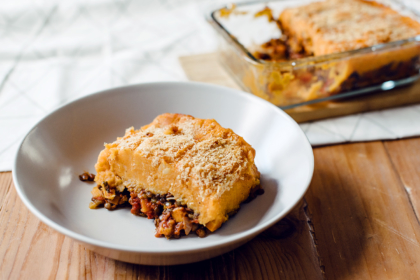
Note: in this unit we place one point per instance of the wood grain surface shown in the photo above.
(364, 221)
(206, 68)
(405, 155)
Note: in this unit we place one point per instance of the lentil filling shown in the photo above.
(171, 218)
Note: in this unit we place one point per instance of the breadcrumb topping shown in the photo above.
(213, 162)
(210, 156)
(348, 25)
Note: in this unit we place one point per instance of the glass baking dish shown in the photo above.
(312, 79)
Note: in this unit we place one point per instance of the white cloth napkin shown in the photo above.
(53, 52)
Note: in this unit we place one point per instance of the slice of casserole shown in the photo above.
(186, 173)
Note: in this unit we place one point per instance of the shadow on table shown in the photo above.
(340, 223)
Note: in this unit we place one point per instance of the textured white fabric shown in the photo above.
(54, 51)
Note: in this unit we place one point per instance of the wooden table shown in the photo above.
(359, 220)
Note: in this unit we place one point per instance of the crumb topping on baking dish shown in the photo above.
(340, 25)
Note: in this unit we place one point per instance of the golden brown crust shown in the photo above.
(205, 166)
(340, 25)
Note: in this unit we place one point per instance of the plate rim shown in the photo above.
(250, 233)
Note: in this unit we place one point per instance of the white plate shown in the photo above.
(67, 142)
